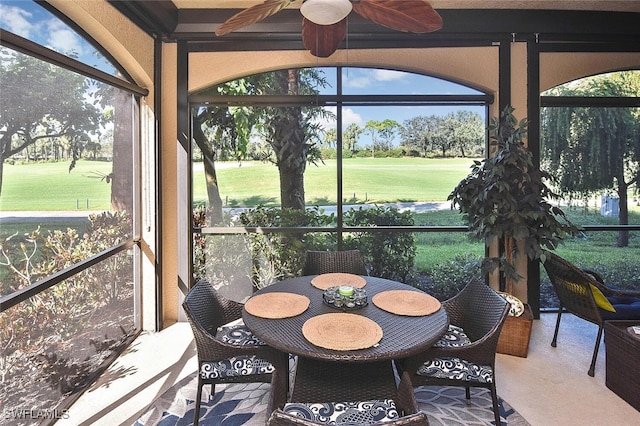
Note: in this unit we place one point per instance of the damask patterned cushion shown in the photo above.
(456, 369)
(242, 365)
(454, 337)
(345, 413)
(238, 334)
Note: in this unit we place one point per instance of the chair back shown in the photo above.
(479, 310)
(280, 418)
(207, 310)
(323, 262)
(573, 288)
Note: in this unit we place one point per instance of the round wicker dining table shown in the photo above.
(345, 375)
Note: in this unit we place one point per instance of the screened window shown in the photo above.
(68, 269)
(590, 139)
(335, 153)
(33, 22)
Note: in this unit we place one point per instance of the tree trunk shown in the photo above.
(291, 186)
(122, 173)
(509, 246)
(1, 172)
(289, 144)
(211, 177)
(623, 236)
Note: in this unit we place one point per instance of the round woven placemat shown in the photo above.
(277, 305)
(342, 331)
(406, 302)
(334, 279)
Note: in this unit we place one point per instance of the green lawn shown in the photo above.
(370, 180)
(51, 187)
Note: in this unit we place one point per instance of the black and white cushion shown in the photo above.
(238, 334)
(456, 369)
(454, 337)
(345, 413)
(242, 365)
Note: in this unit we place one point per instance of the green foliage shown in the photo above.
(595, 149)
(450, 276)
(389, 254)
(54, 107)
(46, 322)
(278, 256)
(505, 198)
(460, 133)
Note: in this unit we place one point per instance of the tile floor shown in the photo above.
(549, 387)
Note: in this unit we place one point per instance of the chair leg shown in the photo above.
(592, 367)
(467, 393)
(196, 411)
(554, 342)
(496, 409)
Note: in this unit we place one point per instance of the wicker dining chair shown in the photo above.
(583, 293)
(465, 355)
(322, 262)
(281, 418)
(227, 351)
(400, 411)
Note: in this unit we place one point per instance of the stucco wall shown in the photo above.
(558, 68)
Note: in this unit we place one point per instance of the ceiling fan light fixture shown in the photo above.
(325, 12)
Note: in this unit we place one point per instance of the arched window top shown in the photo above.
(362, 81)
(359, 82)
(31, 21)
(612, 84)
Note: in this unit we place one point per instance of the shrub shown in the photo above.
(449, 277)
(389, 254)
(280, 255)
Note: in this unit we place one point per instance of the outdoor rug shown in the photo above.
(245, 404)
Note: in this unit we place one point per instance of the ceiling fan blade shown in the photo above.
(323, 40)
(251, 15)
(414, 16)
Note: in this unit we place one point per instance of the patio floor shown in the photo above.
(549, 387)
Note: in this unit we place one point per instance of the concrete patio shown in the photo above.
(549, 387)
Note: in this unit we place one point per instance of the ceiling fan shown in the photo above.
(324, 22)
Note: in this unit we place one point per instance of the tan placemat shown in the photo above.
(277, 305)
(333, 279)
(342, 331)
(406, 302)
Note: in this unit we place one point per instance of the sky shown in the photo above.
(30, 20)
(369, 81)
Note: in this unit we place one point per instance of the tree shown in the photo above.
(371, 128)
(350, 137)
(291, 131)
(505, 198)
(330, 137)
(387, 131)
(442, 134)
(468, 132)
(595, 148)
(55, 105)
(415, 133)
(224, 130)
